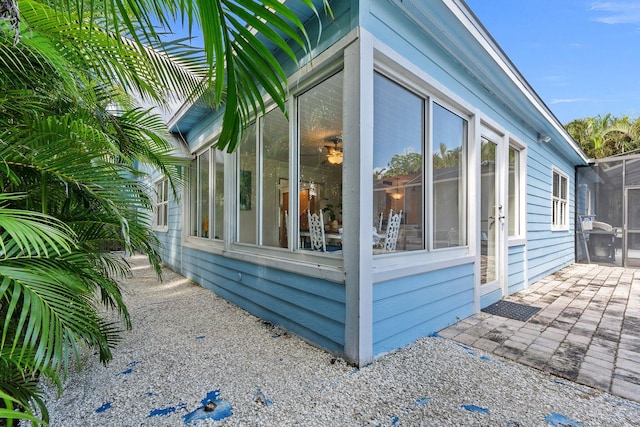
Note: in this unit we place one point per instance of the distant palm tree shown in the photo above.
(623, 134)
(72, 139)
(605, 136)
(590, 134)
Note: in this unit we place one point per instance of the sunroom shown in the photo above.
(392, 201)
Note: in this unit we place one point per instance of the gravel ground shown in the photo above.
(189, 347)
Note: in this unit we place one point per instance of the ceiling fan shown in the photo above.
(334, 156)
(333, 152)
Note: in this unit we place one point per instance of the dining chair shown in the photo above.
(316, 231)
(393, 229)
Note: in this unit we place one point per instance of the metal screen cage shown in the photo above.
(608, 211)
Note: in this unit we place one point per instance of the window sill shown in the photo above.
(403, 264)
(517, 241)
(327, 267)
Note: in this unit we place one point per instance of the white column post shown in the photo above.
(358, 198)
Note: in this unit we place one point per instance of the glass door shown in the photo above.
(631, 254)
(491, 217)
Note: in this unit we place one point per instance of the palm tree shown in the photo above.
(71, 141)
(623, 134)
(605, 136)
(590, 134)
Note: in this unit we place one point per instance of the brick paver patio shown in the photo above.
(587, 331)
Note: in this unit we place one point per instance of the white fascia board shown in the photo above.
(180, 112)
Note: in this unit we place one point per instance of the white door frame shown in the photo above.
(500, 216)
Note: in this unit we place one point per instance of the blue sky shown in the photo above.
(582, 57)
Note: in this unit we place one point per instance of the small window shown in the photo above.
(162, 204)
(560, 204)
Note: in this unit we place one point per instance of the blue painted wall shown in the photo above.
(171, 240)
(412, 307)
(547, 250)
(311, 308)
(516, 280)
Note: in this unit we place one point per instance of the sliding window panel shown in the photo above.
(320, 155)
(449, 159)
(275, 171)
(203, 194)
(397, 167)
(218, 195)
(247, 189)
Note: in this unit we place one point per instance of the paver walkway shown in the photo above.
(587, 331)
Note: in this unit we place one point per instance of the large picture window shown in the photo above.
(320, 171)
(247, 191)
(449, 160)
(266, 200)
(398, 167)
(262, 181)
(401, 133)
(560, 208)
(263, 191)
(206, 212)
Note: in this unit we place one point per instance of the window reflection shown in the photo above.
(320, 171)
(400, 132)
(397, 165)
(449, 178)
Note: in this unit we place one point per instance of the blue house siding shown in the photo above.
(412, 307)
(311, 308)
(171, 240)
(516, 280)
(547, 250)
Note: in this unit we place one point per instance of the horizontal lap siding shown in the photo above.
(547, 250)
(516, 274)
(171, 240)
(311, 308)
(412, 307)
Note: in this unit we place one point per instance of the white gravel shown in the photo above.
(187, 343)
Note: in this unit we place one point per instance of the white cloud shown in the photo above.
(617, 12)
(568, 100)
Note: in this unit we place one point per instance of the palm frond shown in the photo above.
(31, 233)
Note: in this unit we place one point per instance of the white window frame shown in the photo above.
(429, 96)
(559, 206)
(211, 149)
(521, 214)
(161, 205)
